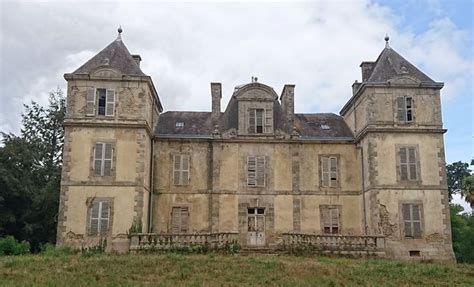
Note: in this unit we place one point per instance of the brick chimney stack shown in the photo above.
(216, 94)
(287, 99)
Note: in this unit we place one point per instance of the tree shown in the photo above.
(456, 173)
(467, 190)
(30, 173)
(462, 226)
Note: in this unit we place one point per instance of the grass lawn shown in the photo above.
(217, 270)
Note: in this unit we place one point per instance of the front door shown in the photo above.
(256, 226)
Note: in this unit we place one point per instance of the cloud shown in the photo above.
(185, 46)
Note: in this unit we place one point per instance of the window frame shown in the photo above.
(266, 121)
(411, 220)
(404, 111)
(181, 170)
(404, 162)
(182, 210)
(103, 158)
(322, 172)
(330, 209)
(258, 179)
(92, 108)
(101, 201)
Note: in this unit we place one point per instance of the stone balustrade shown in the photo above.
(144, 241)
(336, 243)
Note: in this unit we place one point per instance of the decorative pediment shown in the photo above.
(404, 80)
(255, 91)
(106, 72)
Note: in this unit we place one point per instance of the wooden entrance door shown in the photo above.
(256, 226)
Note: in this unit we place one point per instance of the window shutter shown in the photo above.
(326, 219)
(412, 163)
(260, 223)
(325, 171)
(94, 219)
(407, 220)
(184, 220)
(401, 109)
(251, 170)
(90, 102)
(110, 103)
(185, 169)
(176, 169)
(98, 153)
(403, 163)
(108, 152)
(252, 121)
(175, 220)
(268, 120)
(333, 167)
(104, 217)
(261, 170)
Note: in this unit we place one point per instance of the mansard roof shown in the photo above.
(390, 65)
(115, 55)
(198, 124)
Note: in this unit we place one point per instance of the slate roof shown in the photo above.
(322, 125)
(390, 64)
(115, 55)
(198, 124)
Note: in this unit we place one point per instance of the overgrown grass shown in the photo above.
(67, 269)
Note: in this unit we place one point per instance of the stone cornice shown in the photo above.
(397, 130)
(126, 124)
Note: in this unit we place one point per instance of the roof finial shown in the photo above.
(386, 41)
(119, 30)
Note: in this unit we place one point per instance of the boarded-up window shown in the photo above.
(329, 171)
(404, 109)
(99, 217)
(330, 219)
(181, 169)
(179, 220)
(412, 220)
(256, 171)
(260, 121)
(90, 102)
(103, 153)
(408, 165)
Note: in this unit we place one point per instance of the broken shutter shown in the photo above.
(98, 154)
(401, 109)
(252, 121)
(90, 102)
(409, 108)
(110, 103)
(251, 170)
(333, 171)
(261, 170)
(324, 171)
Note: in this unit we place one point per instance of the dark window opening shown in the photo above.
(259, 123)
(415, 253)
(102, 96)
(260, 211)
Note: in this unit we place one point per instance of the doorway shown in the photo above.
(256, 226)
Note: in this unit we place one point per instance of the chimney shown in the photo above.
(355, 87)
(137, 59)
(366, 68)
(287, 99)
(216, 94)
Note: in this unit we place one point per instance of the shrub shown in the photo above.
(49, 249)
(10, 246)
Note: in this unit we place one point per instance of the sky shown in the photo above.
(317, 45)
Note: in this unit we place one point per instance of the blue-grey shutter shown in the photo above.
(110, 103)
(98, 159)
(90, 101)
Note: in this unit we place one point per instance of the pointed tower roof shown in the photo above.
(390, 65)
(115, 55)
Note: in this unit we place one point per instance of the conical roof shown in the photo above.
(390, 65)
(115, 55)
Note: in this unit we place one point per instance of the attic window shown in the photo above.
(325, 127)
(179, 125)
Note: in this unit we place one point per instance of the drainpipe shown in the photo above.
(151, 197)
(359, 146)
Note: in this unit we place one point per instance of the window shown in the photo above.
(102, 98)
(408, 163)
(181, 169)
(99, 217)
(405, 109)
(179, 220)
(412, 220)
(329, 171)
(330, 216)
(103, 153)
(260, 121)
(179, 125)
(256, 171)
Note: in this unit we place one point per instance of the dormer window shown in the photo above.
(260, 121)
(100, 102)
(179, 125)
(325, 127)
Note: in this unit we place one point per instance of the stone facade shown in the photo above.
(258, 169)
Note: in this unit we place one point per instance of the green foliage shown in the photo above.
(136, 227)
(456, 172)
(49, 249)
(10, 246)
(462, 226)
(30, 174)
(99, 248)
(467, 190)
(232, 247)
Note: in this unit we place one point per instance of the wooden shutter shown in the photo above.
(104, 217)
(326, 220)
(403, 154)
(333, 171)
(324, 171)
(406, 211)
(260, 171)
(184, 169)
(401, 109)
(252, 121)
(251, 170)
(98, 159)
(184, 220)
(175, 220)
(90, 102)
(416, 219)
(409, 108)
(334, 220)
(108, 153)
(94, 218)
(110, 103)
(176, 169)
(412, 163)
(268, 120)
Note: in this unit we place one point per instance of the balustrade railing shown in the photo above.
(143, 241)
